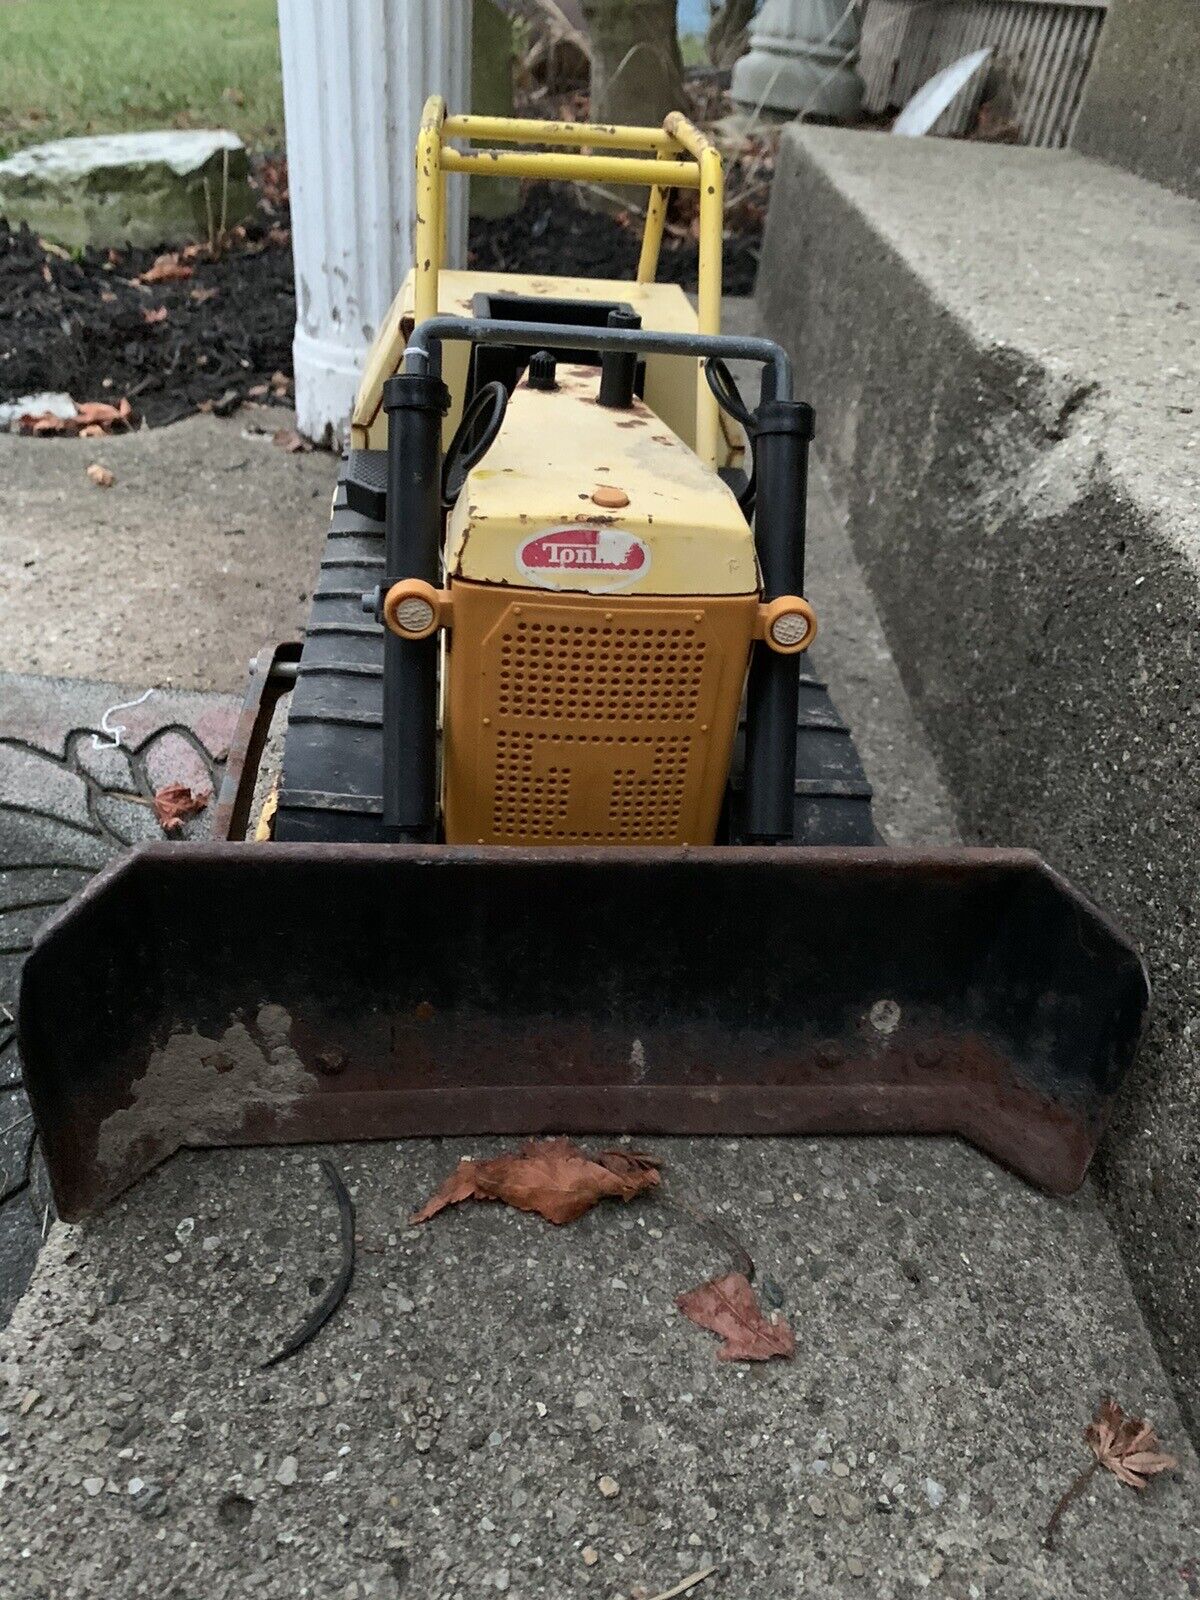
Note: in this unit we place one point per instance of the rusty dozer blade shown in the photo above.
(229, 994)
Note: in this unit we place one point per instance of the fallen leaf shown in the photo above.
(103, 415)
(203, 292)
(257, 391)
(729, 1308)
(175, 801)
(167, 268)
(552, 1177)
(43, 422)
(155, 314)
(102, 477)
(92, 418)
(281, 383)
(1127, 1446)
(291, 441)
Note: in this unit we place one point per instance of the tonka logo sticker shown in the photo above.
(578, 557)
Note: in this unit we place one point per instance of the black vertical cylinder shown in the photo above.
(618, 368)
(783, 429)
(415, 406)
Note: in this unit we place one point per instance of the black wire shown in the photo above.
(725, 390)
(313, 1324)
(470, 442)
(720, 381)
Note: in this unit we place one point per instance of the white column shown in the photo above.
(355, 76)
(801, 60)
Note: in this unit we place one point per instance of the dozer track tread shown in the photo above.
(833, 797)
(333, 753)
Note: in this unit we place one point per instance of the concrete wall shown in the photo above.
(1002, 345)
(1141, 106)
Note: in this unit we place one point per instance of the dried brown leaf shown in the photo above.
(98, 413)
(174, 802)
(729, 1308)
(1127, 1446)
(154, 314)
(44, 422)
(91, 419)
(167, 268)
(102, 477)
(552, 1177)
(291, 441)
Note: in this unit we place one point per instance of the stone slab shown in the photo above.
(116, 189)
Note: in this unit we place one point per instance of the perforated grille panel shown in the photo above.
(606, 671)
(590, 720)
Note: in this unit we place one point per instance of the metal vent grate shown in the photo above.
(585, 719)
(603, 672)
(576, 676)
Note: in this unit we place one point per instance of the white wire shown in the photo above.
(116, 731)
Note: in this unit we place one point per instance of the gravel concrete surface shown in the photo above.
(447, 1434)
(453, 1430)
(203, 549)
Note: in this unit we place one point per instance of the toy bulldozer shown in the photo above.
(566, 835)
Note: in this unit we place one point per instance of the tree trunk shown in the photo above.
(637, 71)
(729, 32)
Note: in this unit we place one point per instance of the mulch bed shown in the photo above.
(553, 233)
(84, 326)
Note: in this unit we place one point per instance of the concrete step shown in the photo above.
(447, 1431)
(1003, 348)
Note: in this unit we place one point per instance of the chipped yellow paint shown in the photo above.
(527, 130)
(683, 157)
(554, 451)
(431, 190)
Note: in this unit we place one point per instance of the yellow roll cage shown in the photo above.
(684, 158)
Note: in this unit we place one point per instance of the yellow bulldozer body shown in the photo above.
(602, 579)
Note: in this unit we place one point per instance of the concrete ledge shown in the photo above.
(1002, 345)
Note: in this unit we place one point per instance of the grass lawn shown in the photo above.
(108, 66)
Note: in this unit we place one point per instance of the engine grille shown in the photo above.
(590, 719)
